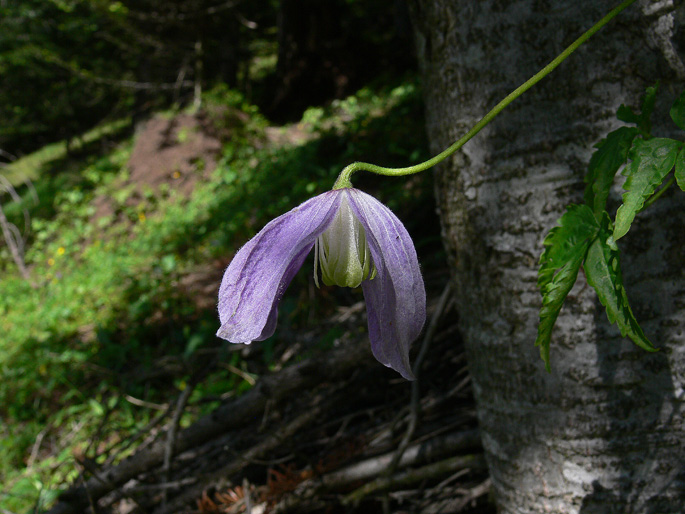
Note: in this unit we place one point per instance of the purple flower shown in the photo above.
(357, 240)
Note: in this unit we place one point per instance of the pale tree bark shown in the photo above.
(604, 432)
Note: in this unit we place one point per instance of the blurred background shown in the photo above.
(142, 142)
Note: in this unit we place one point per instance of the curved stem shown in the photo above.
(346, 174)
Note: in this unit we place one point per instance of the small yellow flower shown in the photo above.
(51, 261)
(60, 250)
(177, 174)
(141, 216)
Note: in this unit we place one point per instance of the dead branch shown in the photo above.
(413, 455)
(415, 476)
(171, 436)
(415, 392)
(275, 439)
(331, 366)
(466, 497)
(11, 234)
(418, 454)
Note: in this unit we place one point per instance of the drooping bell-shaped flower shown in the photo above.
(358, 240)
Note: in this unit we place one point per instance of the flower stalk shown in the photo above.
(344, 179)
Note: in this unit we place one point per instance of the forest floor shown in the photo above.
(308, 421)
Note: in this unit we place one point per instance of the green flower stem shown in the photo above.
(344, 179)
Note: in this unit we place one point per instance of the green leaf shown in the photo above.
(680, 169)
(575, 226)
(611, 153)
(642, 120)
(652, 159)
(603, 272)
(678, 111)
(565, 248)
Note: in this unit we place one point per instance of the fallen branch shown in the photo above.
(415, 476)
(11, 234)
(274, 440)
(171, 435)
(412, 456)
(331, 366)
(308, 492)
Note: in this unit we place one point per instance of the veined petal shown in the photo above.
(396, 297)
(261, 271)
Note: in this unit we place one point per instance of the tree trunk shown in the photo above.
(604, 432)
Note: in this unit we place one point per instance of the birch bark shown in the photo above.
(604, 432)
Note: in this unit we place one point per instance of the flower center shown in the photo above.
(342, 251)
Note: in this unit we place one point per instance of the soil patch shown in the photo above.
(178, 151)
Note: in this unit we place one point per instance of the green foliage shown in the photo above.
(611, 154)
(603, 272)
(642, 120)
(586, 237)
(565, 249)
(678, 111)
(680, 169)
(109, 313)
(651, 161)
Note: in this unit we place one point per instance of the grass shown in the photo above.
(110, 327)
(30, 167)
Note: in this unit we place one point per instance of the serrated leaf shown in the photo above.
(565, 248)
(553, 295)
(678, 111)
(642, 120)
(575, 226)
(611, 153)
(680, 169)
(603, 272)
(651, 160)
(626, 114)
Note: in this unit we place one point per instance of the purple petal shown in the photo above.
(396, 298)
(261, 271)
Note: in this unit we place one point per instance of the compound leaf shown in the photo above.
(603, 272)
(611, 153)
(651, 160)
(565, 248)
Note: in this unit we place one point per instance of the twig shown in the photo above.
(246, 498)
(415, 392)
(307, 492)
(247, 377)
(413, 476)
(36, 446)
(11, 234)
(171, 436)
(413, 455)
(476, 492)
(164, 485)
(154, 422)
(90, 499)
(10, 157)
(90, 466)
(331, 366)
(274, 440)
(142, 403)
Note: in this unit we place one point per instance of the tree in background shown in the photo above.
(603, 431)
(68, 64)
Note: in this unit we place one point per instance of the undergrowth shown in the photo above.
(108, 333)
